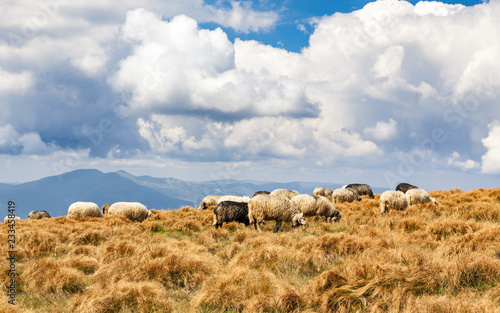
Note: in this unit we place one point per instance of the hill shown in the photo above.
(427, 258)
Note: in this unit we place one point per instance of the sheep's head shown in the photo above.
(336, 216)
(298, 220)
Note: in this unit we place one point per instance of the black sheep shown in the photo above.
(404, 187)
(361, 189)
(230, 211)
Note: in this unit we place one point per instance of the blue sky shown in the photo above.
(387, 91)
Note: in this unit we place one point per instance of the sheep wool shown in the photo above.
(36, 215)
(261, 192)
(319, 191)
(284, 193)
(392, 200)
(270, 207)
(209, 201)
(416, 196)
(404, 187)
(84, 209)
(312, 205)
(134, 211)
(233, 199)
(105, 208)
(6, 219)
(344, 195)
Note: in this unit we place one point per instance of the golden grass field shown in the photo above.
(427, 258)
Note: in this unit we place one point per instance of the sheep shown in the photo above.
(209, 201)
(319, 191)
(312, 205)
(344, 195)
(230, 211)
(261, 192)
(83, 209)
(404, 187)
(234, 199)
(105, 208)
(271, 207)
(392, 200)
(415, 196)
(134, 211)
(284, 193)
(328, 192)
(361, 189)
(36, 215)
(7, 218)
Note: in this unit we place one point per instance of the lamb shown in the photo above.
(361, 189)
(84, 209)
(261, 192)
(230, 211)
(404, 187)
(344, 195)
(312, 205)
(392, 200)
(209, 201)
(105, 208)
(284, 193)
(36, 215)
(415, 196)
(234, 199)
(134, 211)
(7, 218)
(271, 207)
(319, 191)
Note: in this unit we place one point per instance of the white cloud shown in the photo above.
(382, 130)
(454, 160)
(15, 82)
(491, 159)
(30, 143)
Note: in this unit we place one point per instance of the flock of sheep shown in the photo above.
(284, 205)
(280, 205)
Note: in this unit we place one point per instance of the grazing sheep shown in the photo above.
(234, 199)
(134, 211)
(361, 189)
(328, 192)
(312, 205)
(404, 187)
(105, 208)
(415, 196)
(209, 201)
(344, 195)
(270, 207)
(6, 219)
(36, 215)
(84, 209)
(261, 192)
(319, 191)
(230, 211)
(284, 193)
(392, 200)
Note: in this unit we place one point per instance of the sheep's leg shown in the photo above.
(278, 226)
(257, 227)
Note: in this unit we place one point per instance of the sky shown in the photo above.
(328, 91)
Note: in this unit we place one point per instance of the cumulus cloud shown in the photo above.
(382, 130)
(30, 143)
(454, 160)
(491, 159)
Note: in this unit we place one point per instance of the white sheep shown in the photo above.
(312, 205)
(328, 192)
(6, 219)
(134, 211)
(284, 193)
(84, 209)
(392, 200)
(415, 196)
(270, 207)
(209, 201)
(233, 199)
(344, 195)
(319, 191)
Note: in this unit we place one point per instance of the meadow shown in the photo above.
(428, 258)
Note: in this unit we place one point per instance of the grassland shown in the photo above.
(427, 258)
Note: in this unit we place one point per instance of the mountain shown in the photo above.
(55, 193)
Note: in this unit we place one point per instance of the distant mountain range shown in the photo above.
(55, 193)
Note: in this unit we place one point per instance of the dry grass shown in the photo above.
(427, 258)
